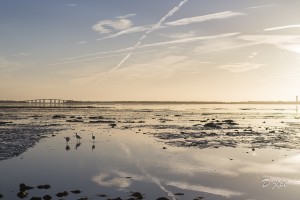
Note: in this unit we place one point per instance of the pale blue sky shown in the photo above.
(223, 50)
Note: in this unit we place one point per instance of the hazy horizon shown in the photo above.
(121, 50)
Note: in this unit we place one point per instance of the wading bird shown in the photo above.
(93, 137)
(77, 136)
(67, 139)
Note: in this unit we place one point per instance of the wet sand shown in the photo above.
(176, 152)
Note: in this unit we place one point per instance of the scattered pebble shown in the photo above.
(76, 191)
(47, 197)
(36, 198)
(62, 194)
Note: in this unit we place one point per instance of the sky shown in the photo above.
(158, 50)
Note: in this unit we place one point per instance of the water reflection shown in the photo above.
(93, 147)
(78, 143)
(67, 147)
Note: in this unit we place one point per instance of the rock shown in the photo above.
(162, 198)
(22, 194)
(198, 198)
(179, 194)
(212, 125)
(138, 195)
(271, 131)
(76, 191)
(164, 147)
(23, 187)
(58, 117)
(1, 196)
(113, 125)
(44, 187)
(36, 198)
(102, 195)
(96, 117)
(62, 194)
(47, 197)
(230, 122)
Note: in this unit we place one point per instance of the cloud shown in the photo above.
(262, 6)
(241, 67)
(111, 180)
(107, 26)
(72, 5)
(126, 16)
(93, 58)
(136, 29)
(159, 44)
(222, 44)
(282, 27)
(9, 64)
(180, 35)
(203, 18)
(285, 42)
(200, 188)
(152, 29)
(186, 21)
(82, 42)
(23, 54)
(188, 40)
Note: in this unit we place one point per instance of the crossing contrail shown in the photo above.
(153, 28)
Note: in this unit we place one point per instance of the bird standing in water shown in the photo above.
(93, 137)
(77, 136)
(67, 139)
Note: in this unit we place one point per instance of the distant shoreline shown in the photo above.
(71, 102)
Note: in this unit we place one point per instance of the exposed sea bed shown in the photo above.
(22, 128)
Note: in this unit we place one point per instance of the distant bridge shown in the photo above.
(44, 102)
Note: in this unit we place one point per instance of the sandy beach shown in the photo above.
(150, 151)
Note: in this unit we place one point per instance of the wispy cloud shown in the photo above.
(262, 6)
(153, 28)
(187, 40)
(214, 16)
(111, 180)
(94, 58)
(7, 64)
(72, 5)
(136, 29)
(159, 44)
(282, 27)
(107, 26)
(180, 35)
(23, 54)
(200, 188)
(82, 42)
(126, 16)
(181, 22)
(241, 67)
(286, 42)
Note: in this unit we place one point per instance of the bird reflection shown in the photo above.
(67, 147)
(77, 144)
(93, 147)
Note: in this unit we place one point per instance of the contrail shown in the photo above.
(94, 58)
(144, 171)
(153, 28)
